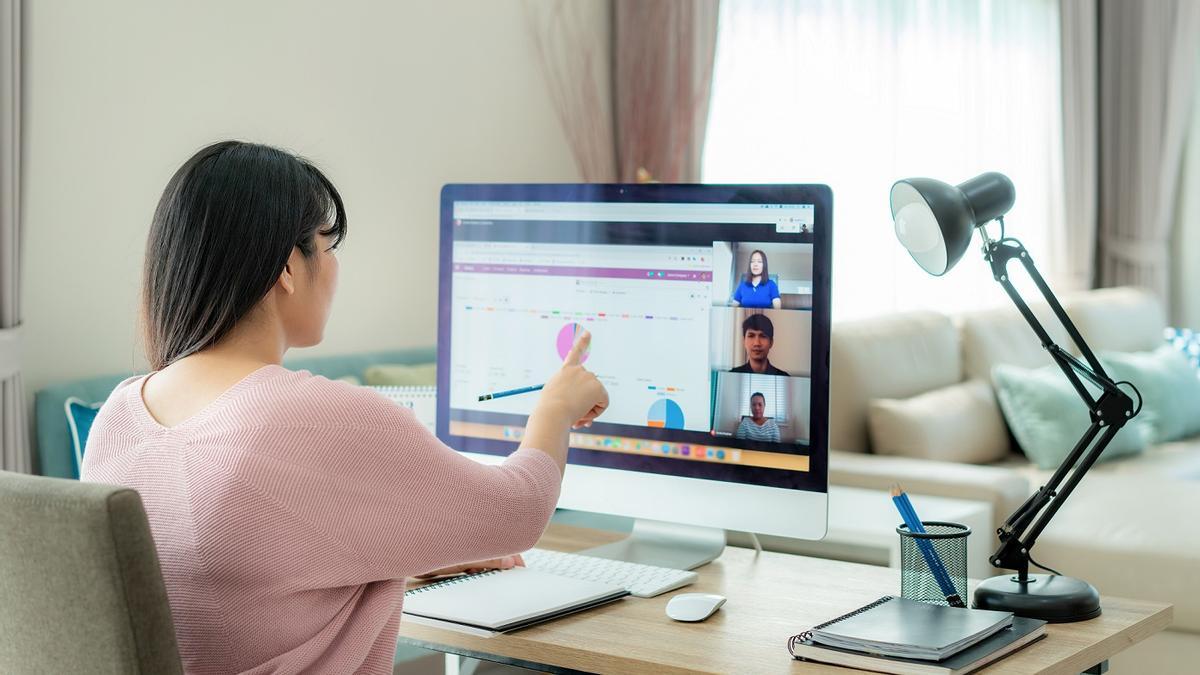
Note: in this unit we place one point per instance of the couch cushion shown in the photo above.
(1002, 336)
(1131, 536)
(1168, 385)
(401, 375)
(1118, 319)
(1048, 418)
(80, 415)
(959, 423)
(891, 357)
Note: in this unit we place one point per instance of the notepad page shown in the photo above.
(499, 599)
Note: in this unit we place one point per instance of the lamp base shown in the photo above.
(1044, 596)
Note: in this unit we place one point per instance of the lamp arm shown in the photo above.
(1109, 411)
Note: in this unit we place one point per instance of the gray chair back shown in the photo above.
(80, 586)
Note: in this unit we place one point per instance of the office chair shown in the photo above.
(80, 586)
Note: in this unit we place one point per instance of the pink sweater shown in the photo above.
(288, 513)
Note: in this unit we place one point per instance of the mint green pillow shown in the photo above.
(400, 375)
(1047, 416)
(1170, 388)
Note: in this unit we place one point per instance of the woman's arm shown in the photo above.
(365, 478)
(776, 303)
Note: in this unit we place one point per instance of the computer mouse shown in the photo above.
(694, 606)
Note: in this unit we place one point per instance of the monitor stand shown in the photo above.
(673, 545)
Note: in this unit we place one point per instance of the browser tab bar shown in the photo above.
(798, 215)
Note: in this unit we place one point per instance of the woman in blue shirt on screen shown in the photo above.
(757, 290)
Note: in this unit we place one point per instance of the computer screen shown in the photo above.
(708, 308)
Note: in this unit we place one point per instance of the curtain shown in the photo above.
(574, 46)
(857, 95)
(662, 77)
(1077, 238)
(1148, 58)
(14, 446)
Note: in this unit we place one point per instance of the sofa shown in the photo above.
(1130, 527)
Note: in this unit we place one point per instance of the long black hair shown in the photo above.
(750, 275)
(221, 235)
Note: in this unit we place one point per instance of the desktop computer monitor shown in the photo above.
(718, 379)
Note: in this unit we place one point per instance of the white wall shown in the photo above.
(392, 99)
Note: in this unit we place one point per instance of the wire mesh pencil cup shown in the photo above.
(949, 542)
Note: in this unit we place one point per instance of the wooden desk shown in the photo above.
(770, 599)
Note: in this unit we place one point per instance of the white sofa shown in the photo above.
(1131, 528)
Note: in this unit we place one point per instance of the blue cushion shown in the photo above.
(80, 415)
(1186, 341)
(1047, 416)
(1169, 385)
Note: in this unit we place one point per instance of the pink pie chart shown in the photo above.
(566, 338)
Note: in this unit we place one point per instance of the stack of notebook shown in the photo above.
(896, 635)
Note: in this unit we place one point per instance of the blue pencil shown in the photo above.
(510, 392)
(909, 514)
(915, 525)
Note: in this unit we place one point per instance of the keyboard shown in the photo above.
(643, 581)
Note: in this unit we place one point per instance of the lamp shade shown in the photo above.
(934, 220)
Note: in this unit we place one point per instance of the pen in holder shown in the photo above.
(917, 580)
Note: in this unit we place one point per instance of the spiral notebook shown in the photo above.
(422, 400)
(897, 635)
(500, 601)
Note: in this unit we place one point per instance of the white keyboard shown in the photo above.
(644, 581)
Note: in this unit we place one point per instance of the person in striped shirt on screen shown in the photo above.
(758, 427)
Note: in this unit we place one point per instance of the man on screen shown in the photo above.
(758, 334)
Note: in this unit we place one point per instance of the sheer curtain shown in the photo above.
(859, 94)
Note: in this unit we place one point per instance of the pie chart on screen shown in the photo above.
(566, 339)
(665, 414)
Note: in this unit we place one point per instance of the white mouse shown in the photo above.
(694, 606)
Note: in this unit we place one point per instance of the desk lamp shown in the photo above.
(935, 221)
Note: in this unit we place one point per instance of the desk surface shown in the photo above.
(770, 599)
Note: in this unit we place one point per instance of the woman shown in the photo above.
(288, 509)
(757, 290)
(758, 427)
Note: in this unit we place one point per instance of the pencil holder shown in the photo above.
(948, 541)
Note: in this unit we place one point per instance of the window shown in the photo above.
(859, 94)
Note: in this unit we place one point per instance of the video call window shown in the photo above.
(761, 408)
(762, 275)
(761, 341)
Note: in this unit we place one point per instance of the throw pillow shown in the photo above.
(398, 375)
(958, 423)
(1186, 341)
(1047, 417)
(80, 415)
(1169, 385)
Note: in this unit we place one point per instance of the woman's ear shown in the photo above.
(287, 278)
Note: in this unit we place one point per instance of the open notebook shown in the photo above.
(504, 600)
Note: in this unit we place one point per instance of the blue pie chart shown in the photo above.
(665, 414)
